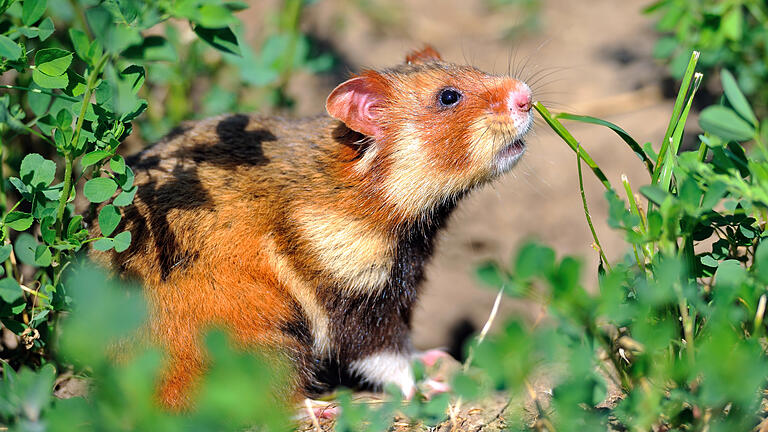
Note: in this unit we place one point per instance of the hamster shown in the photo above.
(310, 236)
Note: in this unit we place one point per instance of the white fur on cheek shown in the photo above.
(386, 367)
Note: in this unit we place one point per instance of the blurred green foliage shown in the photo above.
(729, 34)
(527, 15)
(238, 392)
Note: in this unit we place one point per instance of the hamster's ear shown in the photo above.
(423, 55)
(355, 102)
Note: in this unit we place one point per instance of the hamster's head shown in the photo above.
(436, 129)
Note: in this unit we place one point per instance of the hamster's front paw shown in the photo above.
(439, 367)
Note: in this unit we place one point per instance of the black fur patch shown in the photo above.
(362, 325)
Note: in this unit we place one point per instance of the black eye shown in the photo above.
(449, 97)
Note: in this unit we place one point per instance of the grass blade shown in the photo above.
(677, 137)
(676, 111)
(572, 143)
(619, 131)
(603, 258)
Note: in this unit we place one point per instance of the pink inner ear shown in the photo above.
(353, 103)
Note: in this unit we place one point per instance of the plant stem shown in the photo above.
(92, 78)
(643, 226)
(2, 178)
(68, 158)
(80, 14)
(586, 213)
(43, 91)
(65, 192)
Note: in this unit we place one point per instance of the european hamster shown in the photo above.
(311, 235)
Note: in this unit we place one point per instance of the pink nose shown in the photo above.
(520, 99)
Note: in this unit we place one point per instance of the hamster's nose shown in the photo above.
(520, 99)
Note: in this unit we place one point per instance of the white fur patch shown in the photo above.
(386, 367)
(348, 248)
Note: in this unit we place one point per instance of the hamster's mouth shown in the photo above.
(513, 150)
(509, 155)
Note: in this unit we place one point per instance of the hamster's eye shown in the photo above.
(449, 97)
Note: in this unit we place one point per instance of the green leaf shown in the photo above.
(139, 107)
(736, 97)
(534, 260)
(713, 195)
(104, 244)
(9, 49)
(125, 197)
(654, 193)
(619, 131)
(5, 4)
(10, 291)
(710, 261)
(5, 252)
(38, 101)
(76, 85)
(490, 274)
(43, 256)
(134, 76)
(126, 180)
(761, 261)
(46, 29)
(49, 82)
(53, 61)
(122, 241)
(32, 10)
(48, 230)
(731, 23)
(37, 171)
(75, 225)
(655, 223)
(117, 163)
(730, 273)
(725, 123)
(109, 219)
(81, 44)
(94, 157)
(24, 248)
(214, 16)
(665, 47)
(29, 32)
(21, 187)
(99, 189)
(34, 388)
(114, 36)
(152, 48)
(18, 221)
(220, 38)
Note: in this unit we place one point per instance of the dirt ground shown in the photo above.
(590, 58)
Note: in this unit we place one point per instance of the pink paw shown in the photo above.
(315, 409)
(439, 367)
(431, 357)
